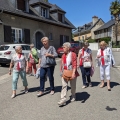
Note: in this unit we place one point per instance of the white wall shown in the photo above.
(94, 46)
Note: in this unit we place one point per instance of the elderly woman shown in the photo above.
(105, 60)
(68, 62)
(46, 52)
(19, 62)
(32, 60)
(85, 64)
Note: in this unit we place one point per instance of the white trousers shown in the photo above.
(64, 88)
(105, 70)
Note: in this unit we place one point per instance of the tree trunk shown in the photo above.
(116, 31)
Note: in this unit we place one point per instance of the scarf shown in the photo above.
(19, 62)
(102, 57)
(67, 60)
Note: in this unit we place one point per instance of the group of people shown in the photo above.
(69, 62)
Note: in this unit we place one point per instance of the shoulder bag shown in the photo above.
(50, 60)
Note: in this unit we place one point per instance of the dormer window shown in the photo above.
(44, 12)
(60, 17)
(21, 5)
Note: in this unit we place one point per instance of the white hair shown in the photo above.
(45, 38)
(17, 47)
(32, 45)
(67, 44)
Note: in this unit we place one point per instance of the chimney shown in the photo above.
(94, 19)
(27, 5)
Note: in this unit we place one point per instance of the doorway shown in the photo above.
(38, 37)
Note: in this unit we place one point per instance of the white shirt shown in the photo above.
(108, 56)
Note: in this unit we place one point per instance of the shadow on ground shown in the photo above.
(110, 109)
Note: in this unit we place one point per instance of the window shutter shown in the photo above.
(27, 36)
(61, 40)
(67, 38)
(21, 4)
(7, 34)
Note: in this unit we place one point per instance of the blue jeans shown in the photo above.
(16, 77)
(85, 73)
(49, 71)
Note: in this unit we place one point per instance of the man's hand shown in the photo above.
(48, 55)
(98, 56)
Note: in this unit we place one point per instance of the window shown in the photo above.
(50, 36)
(60, 17)
(82, 37)
(21, 5)
(44, 12)
(2, 47)
(17, 35)
(63, 39)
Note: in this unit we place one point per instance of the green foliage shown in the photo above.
(115, 46)
(45, 0)
(91, 41)
(106, 39)
(115, 8)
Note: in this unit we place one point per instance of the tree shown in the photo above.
(46, 0)
(115, 11)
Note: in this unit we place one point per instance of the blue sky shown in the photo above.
(80, 12)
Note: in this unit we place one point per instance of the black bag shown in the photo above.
(50, 61)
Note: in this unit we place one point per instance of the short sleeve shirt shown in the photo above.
(87, 54)
(15, 61)
(42, 56)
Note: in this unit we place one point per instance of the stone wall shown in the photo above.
(34, 26)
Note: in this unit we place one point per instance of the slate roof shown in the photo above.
(1, 21)
(54, 7)
(8, 7)
(86, 28)
(34, 2)
(106, 25)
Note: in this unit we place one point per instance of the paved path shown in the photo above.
(93, 103)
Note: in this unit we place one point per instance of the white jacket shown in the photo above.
(108, 57)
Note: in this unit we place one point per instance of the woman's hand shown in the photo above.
(73, 75)
(27, 69)
(48, 55)
(98, 56)
(9, 73)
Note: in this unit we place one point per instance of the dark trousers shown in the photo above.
(49, 71)
(85, 74)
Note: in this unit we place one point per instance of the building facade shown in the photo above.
(27, 21)
(86, 31)
(108, 30)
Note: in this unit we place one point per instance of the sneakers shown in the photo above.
(90, 84)
(40, 94)
(62, 102)
(13, 96)
(73, 98)
(84, 86)
(52, 93)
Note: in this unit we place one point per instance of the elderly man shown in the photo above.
(69, 62)
(20, 67)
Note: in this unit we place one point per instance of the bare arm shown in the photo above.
(10, 68)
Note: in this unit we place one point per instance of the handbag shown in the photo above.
(67, 74)
(50, 61)
(86, 64)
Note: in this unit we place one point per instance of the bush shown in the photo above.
(115, 46)
(91, 41)
(106, 39)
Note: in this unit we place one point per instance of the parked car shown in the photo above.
(75, 47)
(7, 50)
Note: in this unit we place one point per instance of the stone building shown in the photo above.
(86, 31)
(27, 21)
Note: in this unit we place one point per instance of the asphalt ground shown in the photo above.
(92, 103)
